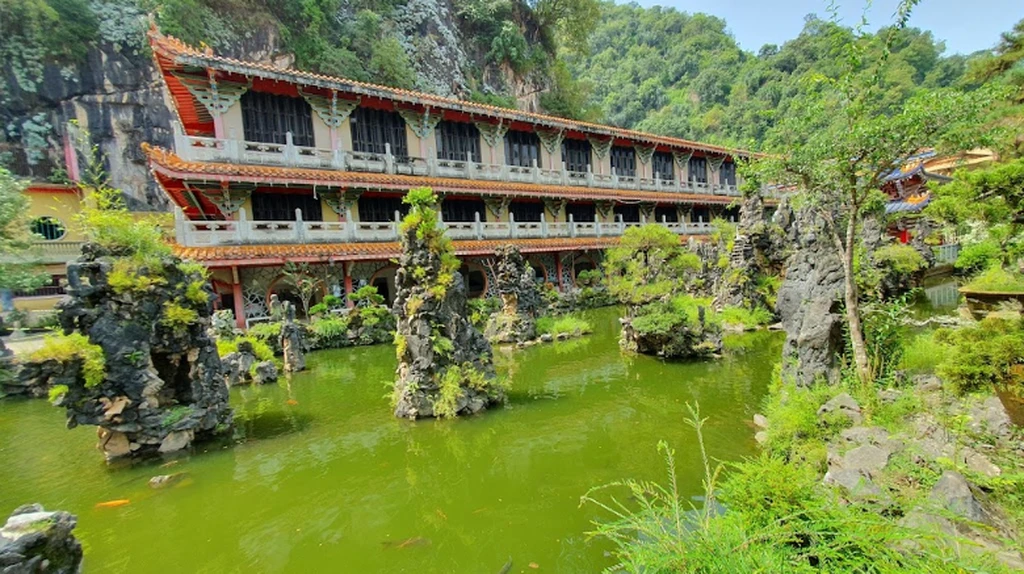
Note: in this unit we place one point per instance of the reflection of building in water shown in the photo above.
(943, 296)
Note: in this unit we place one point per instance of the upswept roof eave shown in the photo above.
(183, 54)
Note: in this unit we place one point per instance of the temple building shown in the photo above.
(273, 165)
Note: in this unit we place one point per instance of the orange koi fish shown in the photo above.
(113, 503)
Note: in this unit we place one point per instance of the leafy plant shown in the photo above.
(178, 317)
(260, 348)
(564, 324)
(980, 357)
(66, 348)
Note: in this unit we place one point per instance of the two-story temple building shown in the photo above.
(275, 165)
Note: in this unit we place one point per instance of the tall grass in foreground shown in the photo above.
(779, 518)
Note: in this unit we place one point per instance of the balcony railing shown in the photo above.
(243, 231)
(232, 150)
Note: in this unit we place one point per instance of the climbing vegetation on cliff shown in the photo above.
(66, 348)
(423, 218)
(646, 265)
(452, 385)
(178, 317)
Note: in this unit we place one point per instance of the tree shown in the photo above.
(646, 266)
(843, 137)
(18, 268)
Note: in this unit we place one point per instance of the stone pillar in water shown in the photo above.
(37, 541)
(516, 320)
(162, 387)
(291, 340)
(444, 364)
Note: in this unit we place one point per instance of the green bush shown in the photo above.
(329, 333)
(266, 332)
(567, 324)
(997, 279)
(262, 351)
(974, 257)
(65, 348)
(979, 357)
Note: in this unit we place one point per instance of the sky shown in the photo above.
(965, 25)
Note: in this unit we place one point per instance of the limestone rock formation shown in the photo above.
(163, 384)
(242, 367)
(515, 322)
(444, 364)
(34, 379)
(291, 339)
(810, 303)
(34, 541)
(757, 250)
(672, 335)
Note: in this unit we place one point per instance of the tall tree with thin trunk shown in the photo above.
(844, 139)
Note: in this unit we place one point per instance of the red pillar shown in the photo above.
(346, 266)
(558, 269)
(236, 291)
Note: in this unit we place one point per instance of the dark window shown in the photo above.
(624, 160)
(663, 166)
(282, 206)
(629, 213)
(457, 141)
(522, 149)
(526, 211)
(463, 210)
(701, 214)
(581, 212)
(381, 209)
(576, 155)
(372, 129)
(731, 214)
(268, 117)
(666, 213)
(728, 173)
(383, 288)
(50, 228)
(698, 169)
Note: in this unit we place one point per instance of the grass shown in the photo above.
(262, 350)
(922, 354)
(746, 318)
(998, 280)
(568, 324)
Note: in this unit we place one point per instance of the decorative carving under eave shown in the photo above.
(715, 162)
(683, 212)
(551, 139)
(647, 210)
(644, 153)
(334, 200)
(554, 207)
(227, 200)
(422, 123)
(604, 208)
(600, 146)
(682, 159)
(334, 110)
(492, 133)
(497, 205)
(216, 96)
(350, 198)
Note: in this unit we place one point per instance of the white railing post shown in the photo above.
(543, 225)
(622, 224)
(479, 227)
(615, 177)
(182, 143)
(398, 222)
(232, 147)
(564, 175)
(470, 168)
(572, 226)
(597, 226)
(300, 226)
(291, 156)
(338, 159)
(512, 231)
(350, 225)
(389, 160)
(180, 226)
(535, 170)
(590, 176)
(242, 226)
(432, 166)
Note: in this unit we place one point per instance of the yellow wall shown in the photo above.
(62, 206)
(321, 133)
(232, 120)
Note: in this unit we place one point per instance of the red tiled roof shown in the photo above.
(258, 255)
(170, 50)
(170, 166)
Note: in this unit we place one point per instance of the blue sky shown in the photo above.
(965, 25)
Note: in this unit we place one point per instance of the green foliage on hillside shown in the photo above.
(661, 70)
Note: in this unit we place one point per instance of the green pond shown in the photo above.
(325, 479)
